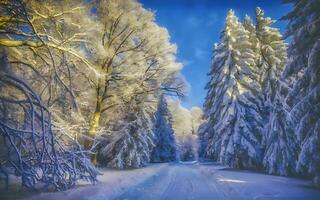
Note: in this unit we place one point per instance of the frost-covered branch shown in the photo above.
(30, 148)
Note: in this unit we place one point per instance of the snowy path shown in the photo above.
(185, 181)
(180, 181)
(200, 181)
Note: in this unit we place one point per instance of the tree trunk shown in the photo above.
(94, 124)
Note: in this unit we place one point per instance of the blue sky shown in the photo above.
(195, 25)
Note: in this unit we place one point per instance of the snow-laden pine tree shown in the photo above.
(304, 69)
(281, 147)
(203, 137)
(234, 122)
(278, 138)
(272, 56)
(253, 39)
(131, 141)
(164, 140)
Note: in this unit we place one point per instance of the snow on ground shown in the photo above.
(241, 184)
(208, 181)
(111, 184)
(187, 180)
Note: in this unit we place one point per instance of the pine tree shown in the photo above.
(304, 69)
(164, 140)
(234, 122)
(272, 56)
(131, 142)
(203, 140)
(278, 138)
(281, 145)
(253, 39)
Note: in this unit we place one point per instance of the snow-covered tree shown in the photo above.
(196, 119)
(134, 56)
(253, 39)
(185, 124)
(35, 148)
(188, 148)
(278, 136)
(165, 149)
(117, 53)
(281, 146)
(181, 118)
(203, 138)
(51, 65)
(31, 147)
(131, 141)
(81, 72)
(303, 71)
(139, 63)
(235, 122)
(272, 56)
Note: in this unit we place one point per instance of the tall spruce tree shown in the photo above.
(281, 146)
(272, 56)
(234, 124)
(164, 140)
(278, 138)
(304, 69)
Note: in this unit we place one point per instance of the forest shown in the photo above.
(262, 105)
(89, 85)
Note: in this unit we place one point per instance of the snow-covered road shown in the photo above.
(180, 181)
(183, 181)
(207, 181)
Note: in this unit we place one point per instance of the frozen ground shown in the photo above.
(208, 181)
(181, 181)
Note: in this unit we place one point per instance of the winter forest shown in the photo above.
(92, 105)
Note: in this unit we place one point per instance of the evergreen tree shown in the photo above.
(203, 140)
(281, 147)
(232, 105)
(164, 140)
(272, 56)
(131, 143)
(304, 69)
(278, 138)
(253, 39)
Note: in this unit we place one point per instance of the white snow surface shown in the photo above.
(188, 180)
